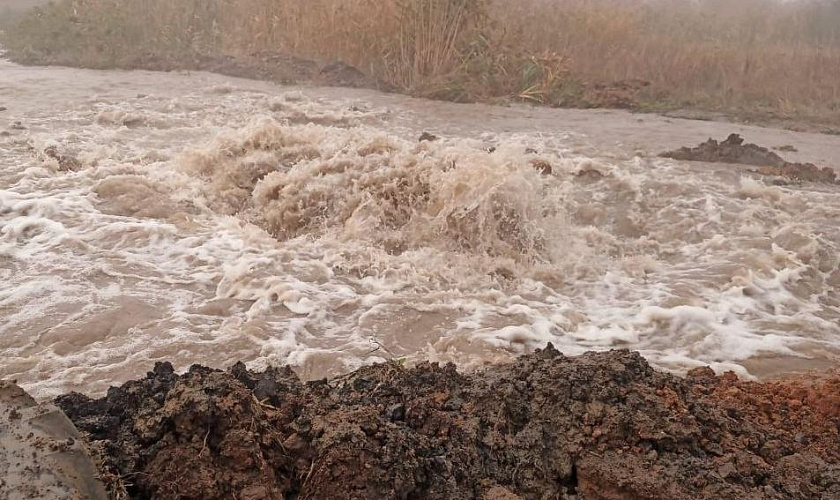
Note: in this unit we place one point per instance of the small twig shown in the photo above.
(379, 346)
(263, 403)
(311, 469)
(283, 448)
(204, 446)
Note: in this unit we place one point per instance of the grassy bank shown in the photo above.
(759, 59)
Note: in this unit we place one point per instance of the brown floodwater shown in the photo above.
(205, 219)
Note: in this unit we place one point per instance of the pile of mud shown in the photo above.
(733, 150)
(602, 425)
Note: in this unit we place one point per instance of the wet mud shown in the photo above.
(42, 455)
(601, 425)
(734, 150)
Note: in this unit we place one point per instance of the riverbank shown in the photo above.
(602, 54)
(600, 425)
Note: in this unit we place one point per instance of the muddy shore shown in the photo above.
(601, 425)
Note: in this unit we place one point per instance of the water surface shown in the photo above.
(199, 218)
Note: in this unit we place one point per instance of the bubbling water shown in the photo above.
(168, 220)
(393, 194)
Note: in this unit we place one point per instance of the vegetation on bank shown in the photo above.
(755, 59)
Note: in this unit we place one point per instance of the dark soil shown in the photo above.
(602, 425)
(733, 150)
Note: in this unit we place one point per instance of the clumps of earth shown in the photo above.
(734, 150)
(601, 425)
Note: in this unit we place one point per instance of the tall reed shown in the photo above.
(750, 56)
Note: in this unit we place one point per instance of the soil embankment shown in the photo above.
(602, 425)
(628, 55)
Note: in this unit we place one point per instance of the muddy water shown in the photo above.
(203, 219)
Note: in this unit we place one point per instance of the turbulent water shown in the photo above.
(204, 219)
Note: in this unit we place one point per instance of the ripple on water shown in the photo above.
(313, 229)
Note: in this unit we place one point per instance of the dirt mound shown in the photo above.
(602, 425)
(733, 150)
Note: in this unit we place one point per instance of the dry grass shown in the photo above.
(751, 57)
(759, 54)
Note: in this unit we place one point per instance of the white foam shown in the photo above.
(211, 224)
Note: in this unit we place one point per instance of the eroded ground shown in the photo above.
(602, 425)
